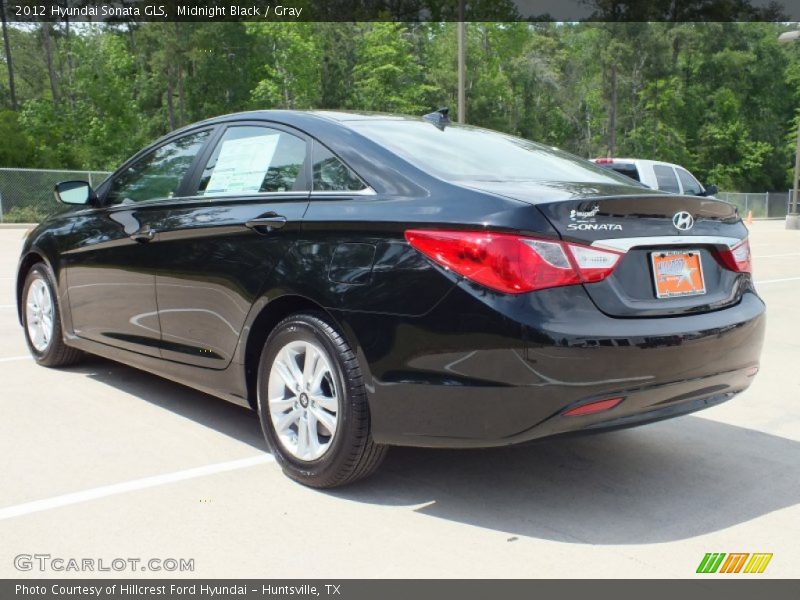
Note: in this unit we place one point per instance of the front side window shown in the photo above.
(331, 174)
(158, 174)
(665, 176)
(253, 160)
(690, 184)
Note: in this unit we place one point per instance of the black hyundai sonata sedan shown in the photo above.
(364, 281)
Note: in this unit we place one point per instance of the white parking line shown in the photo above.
(9, 512)
(762, 282)
(13, 358)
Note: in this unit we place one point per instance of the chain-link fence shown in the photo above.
(26, 195)
(768, 205)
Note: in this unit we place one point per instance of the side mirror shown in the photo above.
(74, 192)
(711, 190)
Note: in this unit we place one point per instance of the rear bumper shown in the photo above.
(485, 369)
(647, 405)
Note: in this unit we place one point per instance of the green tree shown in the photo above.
(290, 77)
(387, 76)
(719, 98)
(16, 150)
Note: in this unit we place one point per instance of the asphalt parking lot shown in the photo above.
(101, 461)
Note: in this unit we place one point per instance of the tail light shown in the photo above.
(604, 161)
(738, 257)
(514, 264)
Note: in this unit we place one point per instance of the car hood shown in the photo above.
(535, 192)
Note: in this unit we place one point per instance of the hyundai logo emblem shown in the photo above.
(683, 221)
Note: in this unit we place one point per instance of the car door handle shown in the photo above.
(266, 223)
(145, 234)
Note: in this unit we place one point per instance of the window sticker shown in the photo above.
(242, 165)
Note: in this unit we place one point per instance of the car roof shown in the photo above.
(339, 116)
(307, 120)
(347, 115)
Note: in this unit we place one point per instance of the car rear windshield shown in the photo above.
(627, 169)
(465, 153)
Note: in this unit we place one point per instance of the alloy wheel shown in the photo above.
(303, 400)
(39, 314)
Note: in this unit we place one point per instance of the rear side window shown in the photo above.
(158, 174)
(627, 169)
(253, 160)
(665, 176)
(331, 174)
(689, 183)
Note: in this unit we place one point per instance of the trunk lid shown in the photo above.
(658, 242)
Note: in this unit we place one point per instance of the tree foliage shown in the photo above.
(719, 98)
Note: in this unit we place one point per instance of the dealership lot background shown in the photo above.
(103, 462)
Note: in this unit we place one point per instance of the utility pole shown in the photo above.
(793, 218)
(462, 107)
(12, 90)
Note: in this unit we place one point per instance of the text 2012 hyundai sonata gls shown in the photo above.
(365, 280)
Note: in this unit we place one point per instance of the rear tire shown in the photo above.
(41, 320)
(312, 404)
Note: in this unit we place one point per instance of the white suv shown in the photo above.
(658, 175)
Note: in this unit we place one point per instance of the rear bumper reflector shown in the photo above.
(593, 407)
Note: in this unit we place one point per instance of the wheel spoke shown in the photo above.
(47, 303)
(302, 438)
(312, 360)
(45, 330)
(280, 404)
(327, 420)
(287, 420)
(286, 374)
(326, 402)
(320, 372)
(313, 434)
(43, 296)
(290, 360)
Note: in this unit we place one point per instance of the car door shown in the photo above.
(217, 246)
(111, 269)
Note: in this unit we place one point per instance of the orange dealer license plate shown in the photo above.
(678, 273)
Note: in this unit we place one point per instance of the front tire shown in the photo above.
(312, 404)
(41, 319)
